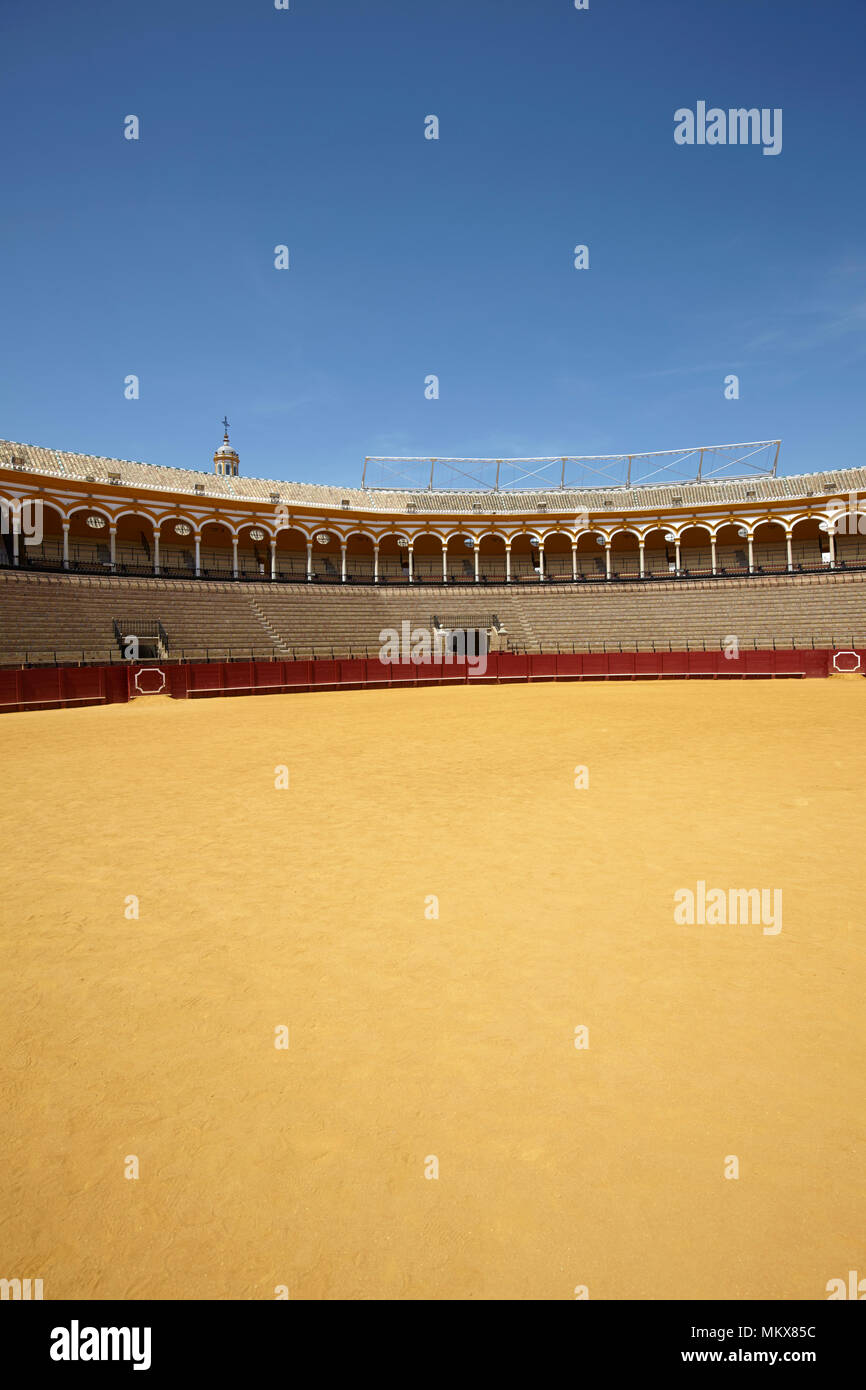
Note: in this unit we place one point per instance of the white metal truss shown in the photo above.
(701, 463)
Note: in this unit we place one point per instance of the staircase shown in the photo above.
(276, 640)
(150, 634)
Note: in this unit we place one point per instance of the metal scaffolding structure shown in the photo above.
(702, 463)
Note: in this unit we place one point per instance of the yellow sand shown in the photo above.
(411, 1037)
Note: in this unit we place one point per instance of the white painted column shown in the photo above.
(678, 561)
(198, 557)
(574, 561)
(343, 550)
(832, 539)
(477, 555)
(751, 556)
(541, 561)
(15, 530)
(66, 525)
(411, 563)
(112, 546)
(273, 559)
(445, 563)
(309, 559)
(508, 563)
(641, 550)
(790, 551)
(376, 563)
(156, 552)
(234, 557)
(713, 552)
(607, 564)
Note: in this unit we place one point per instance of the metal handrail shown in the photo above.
(121, 570)
(89, 656)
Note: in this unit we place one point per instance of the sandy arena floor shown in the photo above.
(411, 1037)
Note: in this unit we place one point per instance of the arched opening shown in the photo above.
(177, 547)
(525, 558)
(660, 553)
(327, 557)
(491, 559)
(849, 538)
(590, 556)
(696, 556)
(732, 549)
(770, 548)
(625, 555)
(427, 559)
(134, 547)
(359, 557)
(461, 559)
(216, 551)
(90, 541)
(557, 556)
(37, 518)
(291, 554)
(394, 558)
(254, 551)
(810, 546)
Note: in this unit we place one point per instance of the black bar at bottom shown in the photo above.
(209, 1339)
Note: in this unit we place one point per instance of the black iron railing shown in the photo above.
(299, 576)
(91, 656)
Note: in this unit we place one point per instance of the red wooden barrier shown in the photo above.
(51, 687)
(62, 687)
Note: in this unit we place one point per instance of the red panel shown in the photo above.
(376, 673)
(267, 673)
(445, 673)
(352, 672)
(82, 682)
(646, 663)
(818, 663)
(479, 670)
(115, 684)
(731, 663)
(237, 675)
(513, 667)
(789, 661)
(178, 681)
(401, 672)
(9, 687)
(674, 663)
(326, 673)
(759, 663)
(451, 673)
(705, 663)
(205, 676)
(542, 666)
(40, 685)
(490, 672)
(435, 672)
(569, 664)
(621, 663)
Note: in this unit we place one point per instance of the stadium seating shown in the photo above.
(57, 618)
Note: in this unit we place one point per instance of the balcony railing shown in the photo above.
(298, 575)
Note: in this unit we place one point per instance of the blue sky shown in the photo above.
(411, 257)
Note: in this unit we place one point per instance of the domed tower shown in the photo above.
(225, 460)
